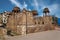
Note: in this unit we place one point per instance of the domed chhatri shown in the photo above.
(24, 10)
(16, 9)
(46, 11)
(35, 12)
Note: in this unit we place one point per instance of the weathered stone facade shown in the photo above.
(25, 21)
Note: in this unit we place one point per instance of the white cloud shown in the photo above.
(39, 5)
(25, 5)
(35, 3)
(15, 2)
(29, 9)
(53, 9)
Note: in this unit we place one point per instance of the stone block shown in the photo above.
(3, 31)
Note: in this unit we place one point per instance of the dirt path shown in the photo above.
(46, 35)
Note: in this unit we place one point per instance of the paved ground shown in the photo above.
(46, 35)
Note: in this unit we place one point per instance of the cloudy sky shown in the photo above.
(39, 5)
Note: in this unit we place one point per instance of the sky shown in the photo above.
(39, 5)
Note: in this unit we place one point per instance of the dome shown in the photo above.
(24, 10)
(34, 12)
(46, 10)
(16, 9)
